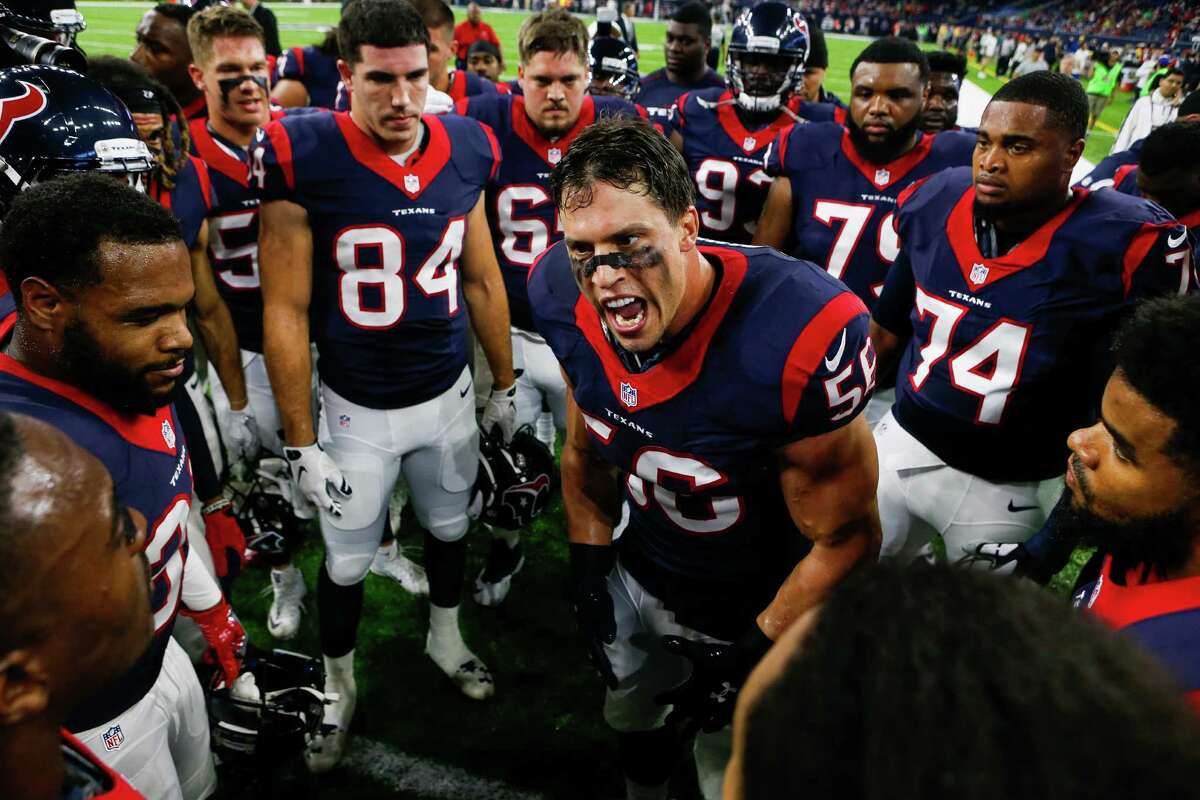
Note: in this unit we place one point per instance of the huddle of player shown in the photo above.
(779, 336)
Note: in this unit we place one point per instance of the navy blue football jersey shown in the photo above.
(520, 208)
(388, 313)
(191, 199)
(725, 159)
(313, 68)
(1125, 181)
(1008, 355)
(843, 206)
(8, 308)
(147, 458)
(779, 354)
(1105, 173)
(233, 232)
(658, 94)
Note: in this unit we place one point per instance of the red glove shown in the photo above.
(225, 636)
(225, 538)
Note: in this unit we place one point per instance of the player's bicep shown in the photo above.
(479, 257)
(894, 307)
(207, 298)
(775, 222)
(290, 93)
(285, 254)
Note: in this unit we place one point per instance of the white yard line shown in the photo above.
(405, 773)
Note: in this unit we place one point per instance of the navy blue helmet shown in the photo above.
(764, 63)
(514, 482)
(55, 121)
(614, 68)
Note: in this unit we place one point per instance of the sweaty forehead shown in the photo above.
(943, 80)
(1003, 118)
(682, 30)
(610, 212)
(145, 274)
(885, 77)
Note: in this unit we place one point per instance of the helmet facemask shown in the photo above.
(763, 81)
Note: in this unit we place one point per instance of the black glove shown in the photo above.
(592, 604)
(706, 699)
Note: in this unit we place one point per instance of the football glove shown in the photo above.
(705, 701)
(316, 478)
(239, 431)
(225, 636)
(225, 538)
(501, 412)
(593, 605)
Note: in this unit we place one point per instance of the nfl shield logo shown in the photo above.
(169, 437)
(749, 143)
(882, 176)
(113, 738)
(979, 274)
(628, 395)
(554, 155)
(344, 420)
(411, 183)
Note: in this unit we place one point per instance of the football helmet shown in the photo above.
(264, 510)
(514, 482)
(765, 59)
(267, 717)
(614, 68)
(55, 121)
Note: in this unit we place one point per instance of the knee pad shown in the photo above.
(347, 567)
(449, 528)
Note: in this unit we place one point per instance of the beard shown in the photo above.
(92, 370)
(1162, 543)
(890, 148)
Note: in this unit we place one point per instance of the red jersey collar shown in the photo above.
(1191, 220)
(1136, 600)
(423, 166)
(149, 431)
(678, 370)
(882, 176)
(751, 141)
(216, 156)
(548, 151)
(960, 229)
(197, 109)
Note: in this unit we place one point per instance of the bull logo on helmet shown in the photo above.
(22, 106)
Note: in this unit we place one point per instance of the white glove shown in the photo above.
(316, 478)
(240, 433)
(437, 102)
(501, 411)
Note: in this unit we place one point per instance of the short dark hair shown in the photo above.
(893, 50)
(434, 13)
(945, 61)
(34, 242)
(695, 14)
(1011, 678)
(480, 46)
(1190, 105)
(1162, 368)
(555, 31)
(380, 23)
(217, 22)
(627, 154)
(1175, 147)
(1173, 71)
(177, 11)
(1061, 95)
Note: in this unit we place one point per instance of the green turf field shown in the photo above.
(542, 734)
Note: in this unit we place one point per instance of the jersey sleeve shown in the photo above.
(272, 168)
(290, 65)
(830, 369)
(1159, 261)
(479, 157)
(893, 309)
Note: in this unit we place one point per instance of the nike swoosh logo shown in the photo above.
(1018, 509)
(1175, 241)
(463, 393)
(837, 359)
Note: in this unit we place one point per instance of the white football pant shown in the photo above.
(434, 445)
(644, 670)
(163, 747)
(920, 497)
(540, 378)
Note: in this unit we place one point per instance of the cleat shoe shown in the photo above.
(390, 562)
(494, 581)
(324, 751)
(287, 584)
(471, 676)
